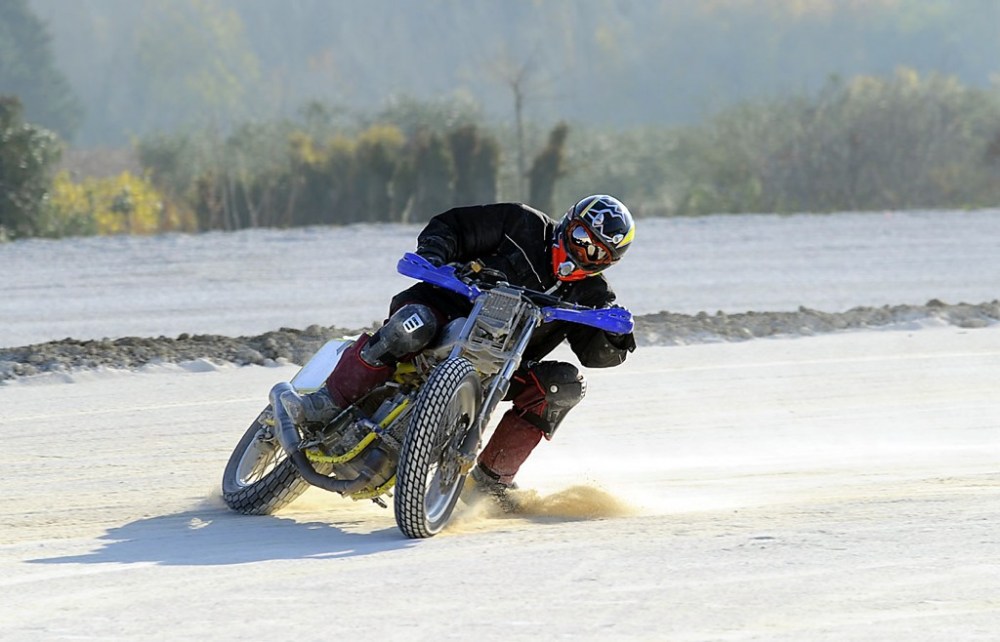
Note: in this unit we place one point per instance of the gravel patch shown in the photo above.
(295, 346)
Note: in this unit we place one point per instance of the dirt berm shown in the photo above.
(295, 346)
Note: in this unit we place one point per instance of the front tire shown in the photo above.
(428, 479)
(259, 478)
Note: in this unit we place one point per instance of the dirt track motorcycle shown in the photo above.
(419, 433)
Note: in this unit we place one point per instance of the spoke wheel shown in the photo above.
(428, 480)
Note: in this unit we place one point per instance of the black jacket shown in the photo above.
(517, 240)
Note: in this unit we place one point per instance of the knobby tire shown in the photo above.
(446, 406)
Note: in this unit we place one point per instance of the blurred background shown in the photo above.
(145, 116)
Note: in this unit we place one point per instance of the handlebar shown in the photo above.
(614, 320)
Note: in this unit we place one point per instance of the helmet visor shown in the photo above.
(587, 251)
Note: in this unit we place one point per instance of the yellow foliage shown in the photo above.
(123, 204)
(306, 152)
(304, 149)
(340, 145)
(338, 149)
(388, 135)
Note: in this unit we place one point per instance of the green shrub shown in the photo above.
(477, 164)
(27, 157)
(866, 144)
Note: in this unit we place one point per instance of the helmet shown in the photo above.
(592, 236)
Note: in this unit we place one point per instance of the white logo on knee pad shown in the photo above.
(413, 323)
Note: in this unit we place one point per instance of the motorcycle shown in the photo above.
(415, 438)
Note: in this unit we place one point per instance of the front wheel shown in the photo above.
(428, 478)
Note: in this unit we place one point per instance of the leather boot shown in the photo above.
(353, 377)
(483, 485)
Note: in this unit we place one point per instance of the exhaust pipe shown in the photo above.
(289, 438)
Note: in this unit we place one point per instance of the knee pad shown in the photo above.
(549, 390)
(407, 331)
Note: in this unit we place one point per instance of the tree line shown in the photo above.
(136, 67)
(900, 141)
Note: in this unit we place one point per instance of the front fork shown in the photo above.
(497, 390)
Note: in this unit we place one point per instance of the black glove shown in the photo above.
(622, 341)
(432, 254)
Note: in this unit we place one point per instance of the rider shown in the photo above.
(564, 259)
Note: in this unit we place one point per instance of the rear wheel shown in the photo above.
(259, 478)
(428, 478)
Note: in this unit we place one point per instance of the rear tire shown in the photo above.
(259, 478)
(428, 481)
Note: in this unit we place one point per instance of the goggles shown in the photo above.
(586, 251)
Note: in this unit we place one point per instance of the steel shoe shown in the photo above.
(310, 408)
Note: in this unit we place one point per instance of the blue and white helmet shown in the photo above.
(593, 235)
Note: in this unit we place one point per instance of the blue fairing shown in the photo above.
(615, 320)
(419, 268)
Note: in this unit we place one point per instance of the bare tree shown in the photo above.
(523, 79)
